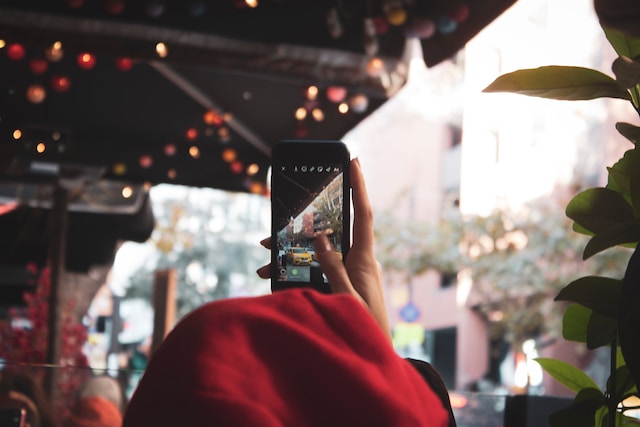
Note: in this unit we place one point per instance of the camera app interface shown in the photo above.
(309, 202)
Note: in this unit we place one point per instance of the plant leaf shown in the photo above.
(581, 324)
(622, 43)
(566, 374)
(627, 72)
(629, 317)
(600, 294)
(581, 412)
(601, 330)
(629, 131)
(597, 209)
(559, 82)
(575, 323)
(618, 234)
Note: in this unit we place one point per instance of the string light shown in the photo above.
(17, 134)
(229, 155)
(161, 50)
(60, 83)
(127, 192)
(119, 169)
(41, 147)
(192, 134)
(301, 113)
(253, 169)
(86, 61)
(194, 151)
(312, 92)
(54, 53)
(145, 161)
(16, 52)
(36, 94)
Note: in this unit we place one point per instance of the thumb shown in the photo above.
(332, 266)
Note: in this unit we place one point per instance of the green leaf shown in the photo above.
(567, 374)
(575, 323)
(581, 324)
(629, 131)
(600, 294)
(629, 317)
(627, 46)
(601, 330)
(624, 382)
(581, 412)
(617, 234)
(559, 82)
(618, 179)
(597, 209)
(623, 44)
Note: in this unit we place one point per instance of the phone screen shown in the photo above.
(310, 195)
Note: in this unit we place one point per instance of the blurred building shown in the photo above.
(441, 142)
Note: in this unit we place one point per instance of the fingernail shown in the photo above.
(322, 244)
(264, 271)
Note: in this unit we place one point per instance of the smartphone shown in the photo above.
(310, 194)
(13, 417)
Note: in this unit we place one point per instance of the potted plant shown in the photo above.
(602, 311)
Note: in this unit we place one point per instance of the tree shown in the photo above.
(518, 261)
(211, 239)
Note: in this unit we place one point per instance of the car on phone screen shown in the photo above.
(298, 255)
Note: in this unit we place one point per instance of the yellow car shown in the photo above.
(299, 256)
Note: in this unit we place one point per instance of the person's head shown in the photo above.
(98, 404)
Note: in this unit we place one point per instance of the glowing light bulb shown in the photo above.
(127, 192)
(229, 155)
(312, 92)
(86, 61)
(301, 113)
(161, 50)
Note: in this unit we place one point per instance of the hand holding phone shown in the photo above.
(310, 195)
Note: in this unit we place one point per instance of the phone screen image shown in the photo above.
(310, 195)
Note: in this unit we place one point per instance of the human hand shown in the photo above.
(361, 274)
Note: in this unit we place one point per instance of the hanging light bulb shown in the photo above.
(161, 50)
(15, 51)
(38, 65)
(60, 83)
(86, 61)
(124, 64)
(36, 94)
(145, 161)
(54, 53)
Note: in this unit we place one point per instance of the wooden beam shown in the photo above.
(164, 305)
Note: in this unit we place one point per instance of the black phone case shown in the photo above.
(296, 190)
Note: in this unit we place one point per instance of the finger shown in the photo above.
(332, 266)
(266, 242)
(264, 272)
(362, 212)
